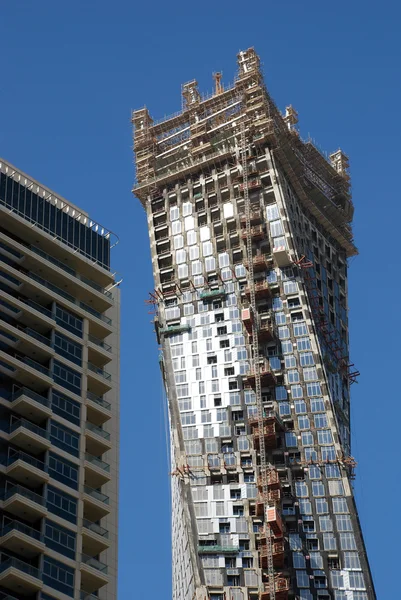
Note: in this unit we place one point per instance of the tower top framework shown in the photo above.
(202, 135)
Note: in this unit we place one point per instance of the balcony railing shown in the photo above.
(34, 462)
(30, 394)
(98, 430)
(21, 566)
(34, 334)
(98, 342)
(67, 269)
(7, 597)
(38, 307)
(22, 491)
(94, 563)
(35, 365)
(54, 288)
(97, 462)
(95, 528)
(83, 596)
(99, 371)
(96, 494)
(22, 528)
(98, 400)
(31, 426)
(95, 313)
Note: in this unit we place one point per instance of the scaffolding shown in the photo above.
(229, 130)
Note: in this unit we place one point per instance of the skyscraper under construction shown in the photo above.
(250, 234)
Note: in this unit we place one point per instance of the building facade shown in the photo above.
(59, 398)
(250, 233)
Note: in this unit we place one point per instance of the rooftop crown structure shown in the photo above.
(250, 231)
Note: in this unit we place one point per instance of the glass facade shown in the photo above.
(54, 220)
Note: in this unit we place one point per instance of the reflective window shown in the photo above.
(300, 407)
(313, 389)
(347, 541)
(293, 376)
(301, 489)
(303, 344)
(351, 560)
(322, 506)
(296, 391)
(307, 439)
(344, 523)
(306, 359)
(303, 422)
(325, 523)
(300, 328)
(290, 287)
(291, 440)
(318, 488)
(298, 560)
(329, 541)
(320, 420)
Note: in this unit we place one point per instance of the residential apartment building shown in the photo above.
(59, 397)
(250, 232)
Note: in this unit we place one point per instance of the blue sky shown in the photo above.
(71, 73)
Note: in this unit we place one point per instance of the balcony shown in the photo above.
(83, 596)
(97, 440)
(34, 314)
(26, 469)
(7, 597)
(30, 253)
(98, 409)
(22, 539)
(45, 291)
(20, 577)
(23, 503)
(93, 573)
(99, 351)
(97, 472)
(25, 339)
(31, 342)
(103, 296)
(95, 538)
(29, 436)
(96, 504)
(31, 405)
(27, 371)
(98, 379)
